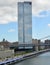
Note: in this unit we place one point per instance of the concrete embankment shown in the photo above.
(23, 57)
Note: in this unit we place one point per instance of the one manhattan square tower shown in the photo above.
(25, 22)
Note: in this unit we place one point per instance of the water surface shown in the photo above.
(43, 59)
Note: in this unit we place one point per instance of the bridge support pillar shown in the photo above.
(36, 48)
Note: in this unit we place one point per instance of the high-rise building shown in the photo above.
(25, 22)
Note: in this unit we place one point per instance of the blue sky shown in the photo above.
(9, 31)
(9, 22)
(41, 25)
(40, 28)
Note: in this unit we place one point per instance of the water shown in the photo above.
(43, 59)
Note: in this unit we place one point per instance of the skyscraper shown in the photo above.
(25, 22)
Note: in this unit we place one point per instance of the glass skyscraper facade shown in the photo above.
(25, 22)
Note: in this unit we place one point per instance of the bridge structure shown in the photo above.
(32, 45)
(35, 47)
(29, 45)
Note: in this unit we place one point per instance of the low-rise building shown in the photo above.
(47, 42)
(5, 44)
(6, 53)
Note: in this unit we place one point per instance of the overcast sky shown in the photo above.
(9, 16)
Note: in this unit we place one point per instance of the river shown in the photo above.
(43, 59)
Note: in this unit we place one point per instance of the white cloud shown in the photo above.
(48, 25)
(39, 6)
(11, 30)
(8, 9)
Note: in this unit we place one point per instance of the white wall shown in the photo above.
(6, 53)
